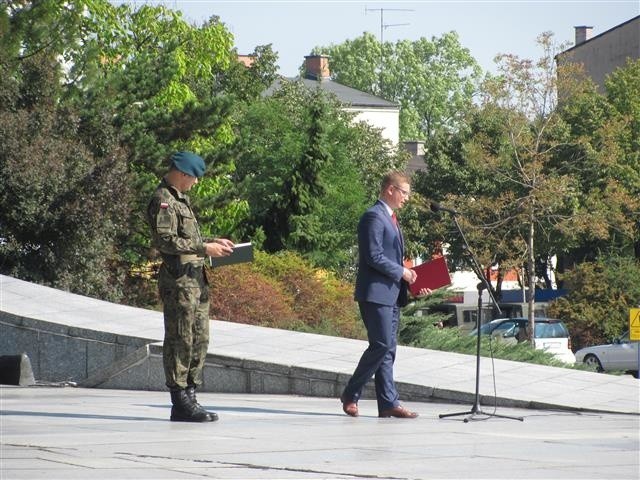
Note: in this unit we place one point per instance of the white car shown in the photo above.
(619, 355)
(551, 335)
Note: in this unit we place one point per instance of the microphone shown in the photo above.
(436, 207)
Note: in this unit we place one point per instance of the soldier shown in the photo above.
(183, 285)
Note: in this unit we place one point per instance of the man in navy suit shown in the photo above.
(381, 289)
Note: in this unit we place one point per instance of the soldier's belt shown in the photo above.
(189, 258)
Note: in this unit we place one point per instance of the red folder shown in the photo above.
(433, 274)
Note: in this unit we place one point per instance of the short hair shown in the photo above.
(393, 178)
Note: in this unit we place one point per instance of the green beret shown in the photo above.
(188, 163)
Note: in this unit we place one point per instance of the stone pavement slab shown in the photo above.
(448, 376)
(74, 433)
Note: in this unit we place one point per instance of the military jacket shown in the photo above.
(174, 228)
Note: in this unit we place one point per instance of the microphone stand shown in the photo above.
(476, 409)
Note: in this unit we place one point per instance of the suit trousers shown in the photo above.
(381, 322)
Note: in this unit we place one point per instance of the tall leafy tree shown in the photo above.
(432, 80)
(308, 173)
(605, 161)
(281, 164)
(518, 206)
(136, 84)
(60, 221)
(64, 208)
(162, 83)
(587, 147)
(601, 293)
(623, 94)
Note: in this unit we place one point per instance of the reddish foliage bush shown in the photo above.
(238, 294)
(284, 291)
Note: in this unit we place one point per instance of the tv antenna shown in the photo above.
(383, 27)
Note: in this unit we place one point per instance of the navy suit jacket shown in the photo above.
(381, 252)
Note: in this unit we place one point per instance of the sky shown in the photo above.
(486, 28)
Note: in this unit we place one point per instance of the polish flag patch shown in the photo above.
(164, 205)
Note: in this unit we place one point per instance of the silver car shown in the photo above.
(621, 355)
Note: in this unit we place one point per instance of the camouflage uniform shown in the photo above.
(183, 286)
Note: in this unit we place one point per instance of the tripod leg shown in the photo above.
(480, 412)
(476, 408)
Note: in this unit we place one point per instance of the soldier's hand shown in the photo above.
(224, 241)
(215, 249)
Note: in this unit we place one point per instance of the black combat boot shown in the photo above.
(185, 411)
(191, 393)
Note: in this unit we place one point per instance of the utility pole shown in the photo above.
(384, 26)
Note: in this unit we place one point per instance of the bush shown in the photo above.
(454, 340)
(421, 331)
(283, 291)
(238, 294)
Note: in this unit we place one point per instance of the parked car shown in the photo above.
(621, 354)
(550, 334)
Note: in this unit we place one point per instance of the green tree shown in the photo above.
(162, 84)
(308, 173)
(603, 158)
(247, 83)
(517, 206)
(64, 209)
(305, 184)
(31, 28)
(432, 80)
(64, 205)
(601, 293)
(623, 94)
(142, 83)
(281, 166)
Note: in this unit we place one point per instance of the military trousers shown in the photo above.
(185, 298)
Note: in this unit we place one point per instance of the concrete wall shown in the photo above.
(606, 52)
(89, 358)
(60, 353)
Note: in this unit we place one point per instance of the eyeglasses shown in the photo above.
(405, 193)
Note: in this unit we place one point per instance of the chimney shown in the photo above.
(583, 33)
(317, 67)
(247, 60)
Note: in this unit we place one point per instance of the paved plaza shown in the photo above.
(576, 424)
(74, 433)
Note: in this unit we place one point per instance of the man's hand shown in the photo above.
(409, 275)
(220, 247)
(424, 292)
